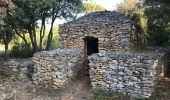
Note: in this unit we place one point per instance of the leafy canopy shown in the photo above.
(92, 7)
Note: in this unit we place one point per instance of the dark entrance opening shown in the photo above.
(167, 65)
(91, 45)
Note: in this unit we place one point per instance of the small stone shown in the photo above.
(47, 78)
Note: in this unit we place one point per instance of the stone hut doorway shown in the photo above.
(91, 45)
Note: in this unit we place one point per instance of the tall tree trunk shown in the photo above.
(42, 33)
(6, 50)
(32, 40)
(50, 36)
(25, 42)
(35, 39)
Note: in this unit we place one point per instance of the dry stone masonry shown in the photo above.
(134, 74)
(111, 28)
(16, 69)
(114, 63)
(55, 68)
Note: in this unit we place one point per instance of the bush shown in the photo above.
(21, 52)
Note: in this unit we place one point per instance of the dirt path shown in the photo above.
(77, 89)
(162, 91)
(80, 90)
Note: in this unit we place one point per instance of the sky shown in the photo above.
(108, 4)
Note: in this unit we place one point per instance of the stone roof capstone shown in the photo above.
(101, 17)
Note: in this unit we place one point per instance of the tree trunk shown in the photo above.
(25, 42)
(42, 33)
(35, 39)
(50, 36)
(6, 50)
(32, 41)
(22, 37)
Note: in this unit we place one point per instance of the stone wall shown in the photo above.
(55, 68)
(133, 74)
(16, 69)
(112, 29)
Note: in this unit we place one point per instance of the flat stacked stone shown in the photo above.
(16, 69)
(112, 29)
(55, 68)
(134, 74)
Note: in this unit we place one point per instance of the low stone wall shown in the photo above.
(55, 68)
(16, 69)
(133, 74)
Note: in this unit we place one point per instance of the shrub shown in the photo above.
(21, 52)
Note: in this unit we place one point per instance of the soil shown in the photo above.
(162, 91)
(11, 89)
(77, 89)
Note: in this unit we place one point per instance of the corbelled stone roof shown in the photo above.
(109, 17)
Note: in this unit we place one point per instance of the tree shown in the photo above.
(134, 9)
(158, 9)
(5, 29)
(92, 7)
(158, 13)
(128, 7)
(6, 36)
(29, 12)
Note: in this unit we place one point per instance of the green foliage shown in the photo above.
(55, 40)
(20, 47)
(159, 33)
(21, 52)
(158, 9)
(142, 22)
(1, 22)
(128, 7)
(139, 21)
(29, 12)
(158, 14)
(92, 7)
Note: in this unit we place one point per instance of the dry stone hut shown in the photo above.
(102, 42)
(105, 38)
(97, 32)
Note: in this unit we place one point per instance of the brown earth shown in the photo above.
(77, 89)
(11, 89)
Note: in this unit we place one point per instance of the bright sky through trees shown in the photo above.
(108, 4)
